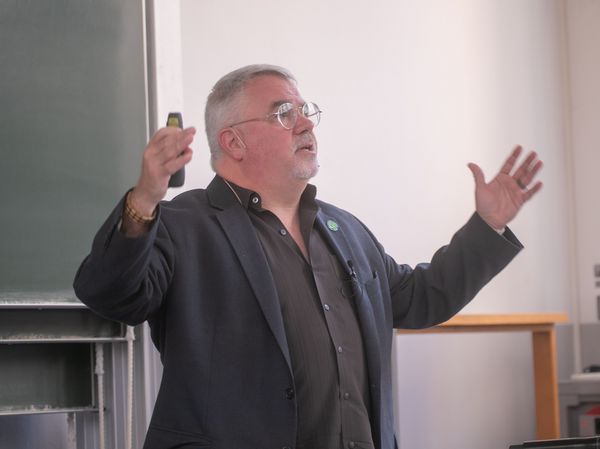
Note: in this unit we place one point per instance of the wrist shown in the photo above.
(498, 227)
(140, 203)
(140, 214)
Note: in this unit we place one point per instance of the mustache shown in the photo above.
(306, 139)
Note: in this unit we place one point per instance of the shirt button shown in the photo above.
(346, 396)
(283, 232)
(340, 349)
(254, 200)
(351, 444)
(326, 306)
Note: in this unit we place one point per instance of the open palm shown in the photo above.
(499, 201)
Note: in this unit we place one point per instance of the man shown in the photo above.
(274, 312)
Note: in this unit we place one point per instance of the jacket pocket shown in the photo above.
(373, 288)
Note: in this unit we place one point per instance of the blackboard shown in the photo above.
(72, 130)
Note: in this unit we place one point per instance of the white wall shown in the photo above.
(412, 91)
(583, 25)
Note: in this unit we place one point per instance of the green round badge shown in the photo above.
(332, 225)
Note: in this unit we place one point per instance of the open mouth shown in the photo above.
(306, 147)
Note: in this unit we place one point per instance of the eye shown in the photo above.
(286, 110)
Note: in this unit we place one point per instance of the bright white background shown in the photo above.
(412, 92)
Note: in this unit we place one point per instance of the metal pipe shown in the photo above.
(100, 379)
(71, 431)
(130, 336)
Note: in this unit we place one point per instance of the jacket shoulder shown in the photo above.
(185, 200)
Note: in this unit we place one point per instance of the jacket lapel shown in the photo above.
(238, 228)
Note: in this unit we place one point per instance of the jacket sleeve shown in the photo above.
(432, 293)
(125, 279)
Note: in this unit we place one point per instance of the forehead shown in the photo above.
(266, 92)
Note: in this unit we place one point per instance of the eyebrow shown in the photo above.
(278, 103)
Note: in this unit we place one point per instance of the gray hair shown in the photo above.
(224, 99)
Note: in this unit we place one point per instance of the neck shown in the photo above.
(285, 198)
(282, 200)
(275, 196)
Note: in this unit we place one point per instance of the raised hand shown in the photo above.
(499, 201)
(167, 151)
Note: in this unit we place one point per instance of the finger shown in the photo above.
(159, 144)
(178, 142)
(168, 133)
(477, 174)
(527, 177)
(535, 189)
(162, 134)
(168, 130)
(182, 144)
(171, 144)
(174, 165)
(510, 162)
(187, 136)
(523, 170)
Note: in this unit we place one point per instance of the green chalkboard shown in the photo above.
(72, 130)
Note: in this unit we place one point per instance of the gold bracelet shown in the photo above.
(134, 215)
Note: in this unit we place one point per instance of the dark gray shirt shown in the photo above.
(322, 330)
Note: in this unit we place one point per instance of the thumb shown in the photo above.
(477, 174)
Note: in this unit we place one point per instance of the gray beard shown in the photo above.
(306, 172)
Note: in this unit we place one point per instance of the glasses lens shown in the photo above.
(287, 115)
(312, 112)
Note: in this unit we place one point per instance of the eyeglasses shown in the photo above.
(287, 115)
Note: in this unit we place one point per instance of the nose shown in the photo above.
(303, 124)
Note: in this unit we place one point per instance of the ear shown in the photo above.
(232, 144)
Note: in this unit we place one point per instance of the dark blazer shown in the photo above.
(201, 280)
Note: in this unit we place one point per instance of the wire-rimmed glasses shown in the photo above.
(287, 115)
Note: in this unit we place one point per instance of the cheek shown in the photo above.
(278, 147)
(260, 155)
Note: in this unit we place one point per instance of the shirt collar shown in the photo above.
(252, 200)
